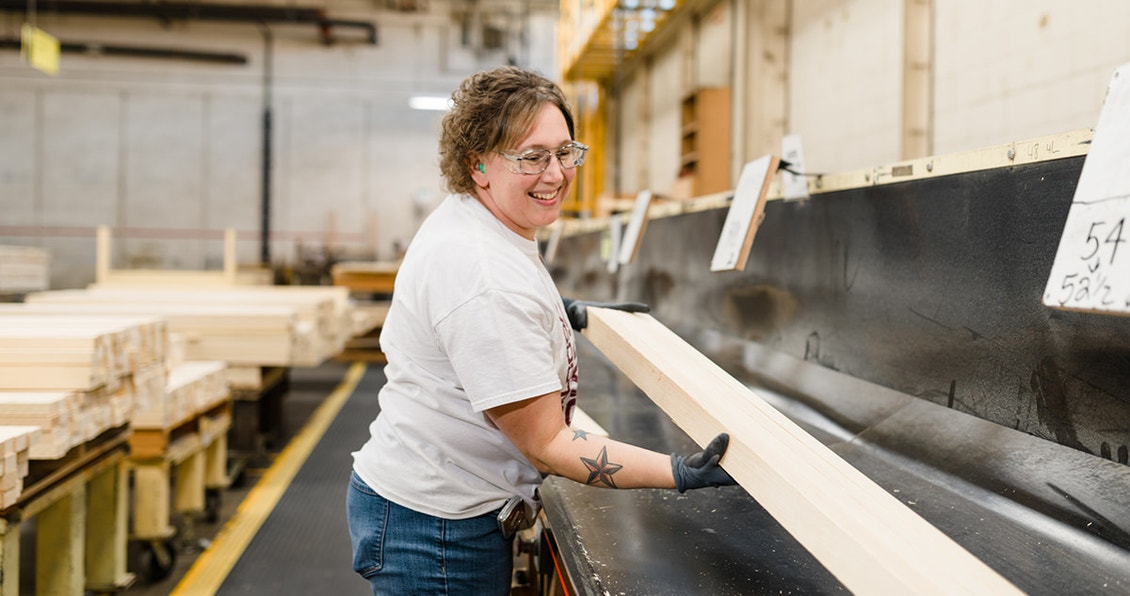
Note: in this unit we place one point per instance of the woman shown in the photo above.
(482, 365)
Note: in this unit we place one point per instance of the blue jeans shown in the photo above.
(402, 552)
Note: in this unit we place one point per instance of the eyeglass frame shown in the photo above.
(556, 152)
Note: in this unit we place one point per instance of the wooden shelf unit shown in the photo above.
(704, 156)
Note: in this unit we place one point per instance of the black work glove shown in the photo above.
(579, 317)
(701, 469)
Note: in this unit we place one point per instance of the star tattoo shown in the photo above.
(600, 471)
(580, 434)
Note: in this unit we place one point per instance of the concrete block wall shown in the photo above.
(1010, 70)
(1006, 70)
(665, 107)
(845, 82)
(168, 153)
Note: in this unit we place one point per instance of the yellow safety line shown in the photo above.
(212, 567)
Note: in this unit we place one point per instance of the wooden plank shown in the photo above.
(361, 276)
(106, 275)
(367, 316)
(262, 316)
(23, 269)
(868, 539)
(917, 130)
(134, 341)
(51, 377)
(147, 443)
(241, 333)
(319, 320)
(245, 377)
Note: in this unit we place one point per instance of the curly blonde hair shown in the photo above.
(492, 110)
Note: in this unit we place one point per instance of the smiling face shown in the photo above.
(526, 202)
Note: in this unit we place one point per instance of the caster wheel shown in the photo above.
(157, 559)
(213, 499)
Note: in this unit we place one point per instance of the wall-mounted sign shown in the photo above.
(637, 223)
(1092, 266)
(554, 240)
(744, 217)
(39, 49)
(793, 183)
(613, 242)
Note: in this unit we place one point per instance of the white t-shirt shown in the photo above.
(476, 322)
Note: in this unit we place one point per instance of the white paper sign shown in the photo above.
(554, 241)
(637, 223)
(793, 186)
(614, 228)
(745, 215)
(1092, 266)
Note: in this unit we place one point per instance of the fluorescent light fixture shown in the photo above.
(439, 103)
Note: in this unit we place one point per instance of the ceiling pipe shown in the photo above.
(103, 49)
(327, 26)
(170, 11)
(167, 12)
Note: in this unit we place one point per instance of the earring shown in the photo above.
(483, 168)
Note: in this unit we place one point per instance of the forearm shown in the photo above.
(537, 427)
(599, 461)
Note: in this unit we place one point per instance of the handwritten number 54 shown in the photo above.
(1113, 238)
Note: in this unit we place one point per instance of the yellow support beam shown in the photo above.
(595, 36)
(588, 100)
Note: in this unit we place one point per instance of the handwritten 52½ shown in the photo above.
(1101, 246)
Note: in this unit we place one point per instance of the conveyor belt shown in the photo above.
(1050, 519)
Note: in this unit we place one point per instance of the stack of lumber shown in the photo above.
(247, 334)
(327, 308)
(56, 414)
(366, 281)
(192, 388)
(54, 358)
(77, 376)
(369, 316)
(79, 352)
(377, 277)
(23, 269)
(15, 443)
(262, 326)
